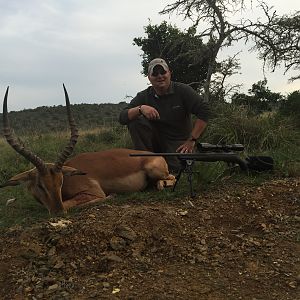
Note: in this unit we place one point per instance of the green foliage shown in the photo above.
(185, 52)
(237, 124)
(261, 99)
(279, 44)
(291, 107)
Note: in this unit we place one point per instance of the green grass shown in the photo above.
(262, 135)
(23, 211)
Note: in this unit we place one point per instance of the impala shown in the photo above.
(86, 178)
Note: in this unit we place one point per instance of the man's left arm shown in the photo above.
(189, 144)
(198, 129)
(194, 104)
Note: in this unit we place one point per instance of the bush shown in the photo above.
(236, 124)
(291, 107)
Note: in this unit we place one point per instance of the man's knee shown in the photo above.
(141, 133)
(140, 123)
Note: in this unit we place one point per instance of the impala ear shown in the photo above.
(10, 183)
(19, 178)
(69, 171)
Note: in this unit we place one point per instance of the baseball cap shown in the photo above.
(155, 62)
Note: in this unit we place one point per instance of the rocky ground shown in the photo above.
(240, 241)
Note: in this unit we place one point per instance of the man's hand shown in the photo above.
(149, 112)
(187, 147)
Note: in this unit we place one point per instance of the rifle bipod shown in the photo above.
(186, 167)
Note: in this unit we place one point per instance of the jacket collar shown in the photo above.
(169, 91)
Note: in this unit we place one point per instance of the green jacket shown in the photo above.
(175, 109)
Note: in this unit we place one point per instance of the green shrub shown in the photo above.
(236, 124)
(291, 107)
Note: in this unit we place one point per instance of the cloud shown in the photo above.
(85, 44)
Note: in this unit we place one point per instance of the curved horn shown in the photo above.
(74, 136)
(15, 144)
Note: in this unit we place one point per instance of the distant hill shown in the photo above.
(54, 118)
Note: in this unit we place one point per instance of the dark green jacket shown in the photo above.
(175, 109)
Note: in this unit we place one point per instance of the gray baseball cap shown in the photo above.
(155, 62)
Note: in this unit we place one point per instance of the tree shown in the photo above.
(215, 16)
(291, 106)
(185, 52)
(283, 47)
(219, 90)
(260, 99)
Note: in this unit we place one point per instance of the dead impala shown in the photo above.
(86, 178)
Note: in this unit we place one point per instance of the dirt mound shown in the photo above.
(237, 242)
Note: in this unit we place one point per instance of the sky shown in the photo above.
(88, 46)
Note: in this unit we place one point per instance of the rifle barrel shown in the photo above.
(207, 156)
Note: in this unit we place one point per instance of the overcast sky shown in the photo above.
(88, 46)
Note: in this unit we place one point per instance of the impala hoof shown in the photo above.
(165, 183)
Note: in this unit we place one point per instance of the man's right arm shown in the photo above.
(136, 108)
(131, 111)
(134, 112)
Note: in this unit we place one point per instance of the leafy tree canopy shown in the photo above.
(291, 106)
(280, 43)
(276, 38)
(185, 52)
(260, 99)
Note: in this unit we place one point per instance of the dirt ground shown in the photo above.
(240, 241)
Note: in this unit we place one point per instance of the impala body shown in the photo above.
(86, 178)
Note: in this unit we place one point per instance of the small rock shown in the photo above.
(28, 289)
(117, 243)
(53, 287)
(115, 290)
(10, 201)
(182, 212)
(59, 265)
(292, 284)
(52, 251)
(112, 257)
(125, 232)
(65, 294)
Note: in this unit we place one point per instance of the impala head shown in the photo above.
(46, 179)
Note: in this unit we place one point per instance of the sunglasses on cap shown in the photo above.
(155, 73)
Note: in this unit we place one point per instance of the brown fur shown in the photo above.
(113, 171)
(85, 178)
(107, 172)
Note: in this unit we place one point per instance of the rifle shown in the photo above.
(211, 153)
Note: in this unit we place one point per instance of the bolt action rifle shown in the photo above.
(212, 153)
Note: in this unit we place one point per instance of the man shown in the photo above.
(159, 118)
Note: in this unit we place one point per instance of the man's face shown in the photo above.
(160, 78)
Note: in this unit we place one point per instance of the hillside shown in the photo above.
(48, 119)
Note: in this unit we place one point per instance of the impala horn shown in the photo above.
(74, 136)
(15, 143)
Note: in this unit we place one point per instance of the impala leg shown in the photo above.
(157, 169)
(82, 200)
(87, 192)
(168, 182)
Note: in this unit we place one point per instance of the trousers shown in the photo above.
(145, 135)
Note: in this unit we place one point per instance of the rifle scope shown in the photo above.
(219, 147)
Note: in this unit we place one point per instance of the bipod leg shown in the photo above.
(177, 177)
(189, 170)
